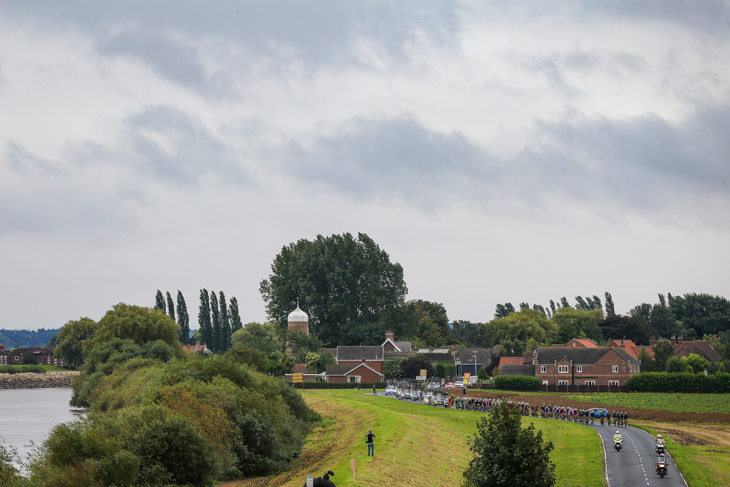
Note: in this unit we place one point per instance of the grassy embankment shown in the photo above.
(416, 445)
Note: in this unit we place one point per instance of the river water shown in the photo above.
(27, 415)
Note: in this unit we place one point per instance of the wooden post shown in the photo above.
(353, 467)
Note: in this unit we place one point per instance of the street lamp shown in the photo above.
(475, 364)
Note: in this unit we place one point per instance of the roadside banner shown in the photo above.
(297, 377)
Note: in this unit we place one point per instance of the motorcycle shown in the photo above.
(661, 469)
(618, 445)
(661, 448)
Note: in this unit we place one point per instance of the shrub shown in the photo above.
(445, 369)
(678, 382)
(516, 382)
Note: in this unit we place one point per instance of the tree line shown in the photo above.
(217, 318)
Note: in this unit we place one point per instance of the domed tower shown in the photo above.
(298, 321)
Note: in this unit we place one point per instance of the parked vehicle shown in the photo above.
(449, 385)
(390, 390)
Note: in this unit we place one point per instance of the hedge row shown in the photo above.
(678, 382)
(23, 369)
(516, 382)
(340, 385)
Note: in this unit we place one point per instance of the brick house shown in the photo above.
(632, 348)
(577, 343)
(601, 366)
(361, 372)
(357, 364)
(391, 345)
(16, 356)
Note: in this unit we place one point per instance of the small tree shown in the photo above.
(506, 454)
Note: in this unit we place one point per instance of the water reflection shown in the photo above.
(29, 414)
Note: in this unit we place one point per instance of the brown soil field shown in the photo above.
(634, 413)
(712, 436)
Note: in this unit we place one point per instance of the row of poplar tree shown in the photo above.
(217, 319)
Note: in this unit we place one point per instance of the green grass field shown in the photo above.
(417, 445)
(676, 403)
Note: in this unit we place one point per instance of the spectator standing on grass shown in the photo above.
(371, 445)
(374, 392)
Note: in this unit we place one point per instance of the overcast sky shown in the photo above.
(499, 151)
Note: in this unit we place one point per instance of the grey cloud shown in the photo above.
(319, 32)
(176, 148)
(170, 58)
(395, 159)
(645, 163)
(710, 16)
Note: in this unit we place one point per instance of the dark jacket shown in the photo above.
(370, 437)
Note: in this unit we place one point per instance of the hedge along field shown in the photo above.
(417, 445)
(676, 403)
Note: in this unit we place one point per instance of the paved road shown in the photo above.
(634, 464)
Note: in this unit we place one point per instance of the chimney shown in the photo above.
(679, 340)
(389, 335)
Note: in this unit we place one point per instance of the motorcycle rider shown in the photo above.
(660, 460)
(659, 440)
(617, 437)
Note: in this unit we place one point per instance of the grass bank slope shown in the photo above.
(416, 445)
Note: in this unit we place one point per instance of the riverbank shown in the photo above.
(37, 381)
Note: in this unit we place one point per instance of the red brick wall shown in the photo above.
(601, 372)
(388, 347)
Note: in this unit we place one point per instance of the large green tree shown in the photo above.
(204, 322)
(136, 323)
(71, 341)
(508, 455)
(576, 323)
(183, 319)
(433, 323)
(170, 306)
(258, 336)
(160, 301)
(225, 323)
(348, 286)
(215, 314)
(236, 323)
(704, 313)
(617, 327)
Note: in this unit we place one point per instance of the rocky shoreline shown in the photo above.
(28, 380)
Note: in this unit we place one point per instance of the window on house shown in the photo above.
(563, 383)
(613, 383)
(544, 382)
(615, 368)
(590, 383)
(543, 369)
(353, 378)
(579, 368)
(562, 369)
